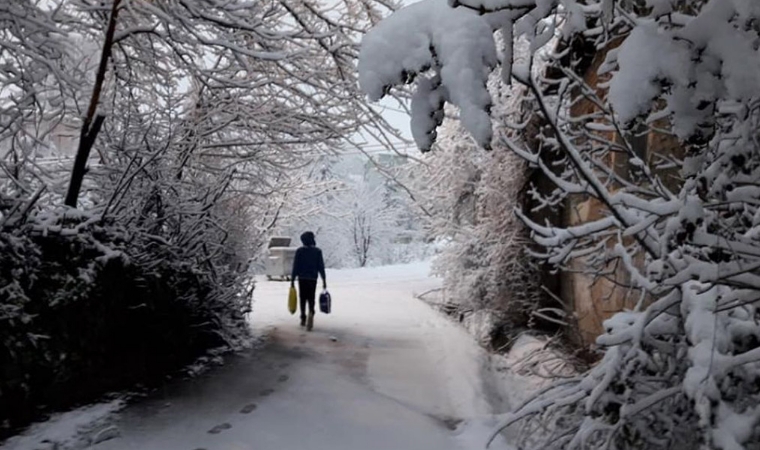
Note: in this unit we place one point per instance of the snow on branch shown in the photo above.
(678, 369)
(458, 47)
(647, 120)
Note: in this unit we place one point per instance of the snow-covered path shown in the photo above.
(384, 371)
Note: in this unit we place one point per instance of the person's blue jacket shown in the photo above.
(308, 263)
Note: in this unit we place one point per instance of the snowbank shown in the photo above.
(71, 430)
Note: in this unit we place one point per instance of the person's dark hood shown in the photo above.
(308, 239)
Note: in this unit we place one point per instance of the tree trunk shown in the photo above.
(92, 122)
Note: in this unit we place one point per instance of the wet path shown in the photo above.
(383, 372)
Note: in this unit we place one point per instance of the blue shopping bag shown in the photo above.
(325, 302)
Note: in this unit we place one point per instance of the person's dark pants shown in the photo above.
(307, 290)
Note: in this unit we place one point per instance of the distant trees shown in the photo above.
(359, 215)
(372, 219)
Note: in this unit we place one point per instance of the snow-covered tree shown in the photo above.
(359, 215)
(164, 136)
(470, 201)
(370, 219)
(680, 369)
(170, 112)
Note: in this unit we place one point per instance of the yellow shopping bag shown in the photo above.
(292, 300)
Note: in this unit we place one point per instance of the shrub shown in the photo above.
(88, 308)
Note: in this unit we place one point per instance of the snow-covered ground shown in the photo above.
(383, 371)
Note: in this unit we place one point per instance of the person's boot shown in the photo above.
(303, 321)
(310, 322)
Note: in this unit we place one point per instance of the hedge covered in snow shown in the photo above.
(87, 308)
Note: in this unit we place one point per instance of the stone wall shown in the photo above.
(595, 298)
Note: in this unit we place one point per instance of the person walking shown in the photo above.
(307, 265)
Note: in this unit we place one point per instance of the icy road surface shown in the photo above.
(384, 371)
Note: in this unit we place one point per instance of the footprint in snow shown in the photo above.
(283, 378)
(219, 428)
(284, 365)
(267, 392)
(247, 409)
